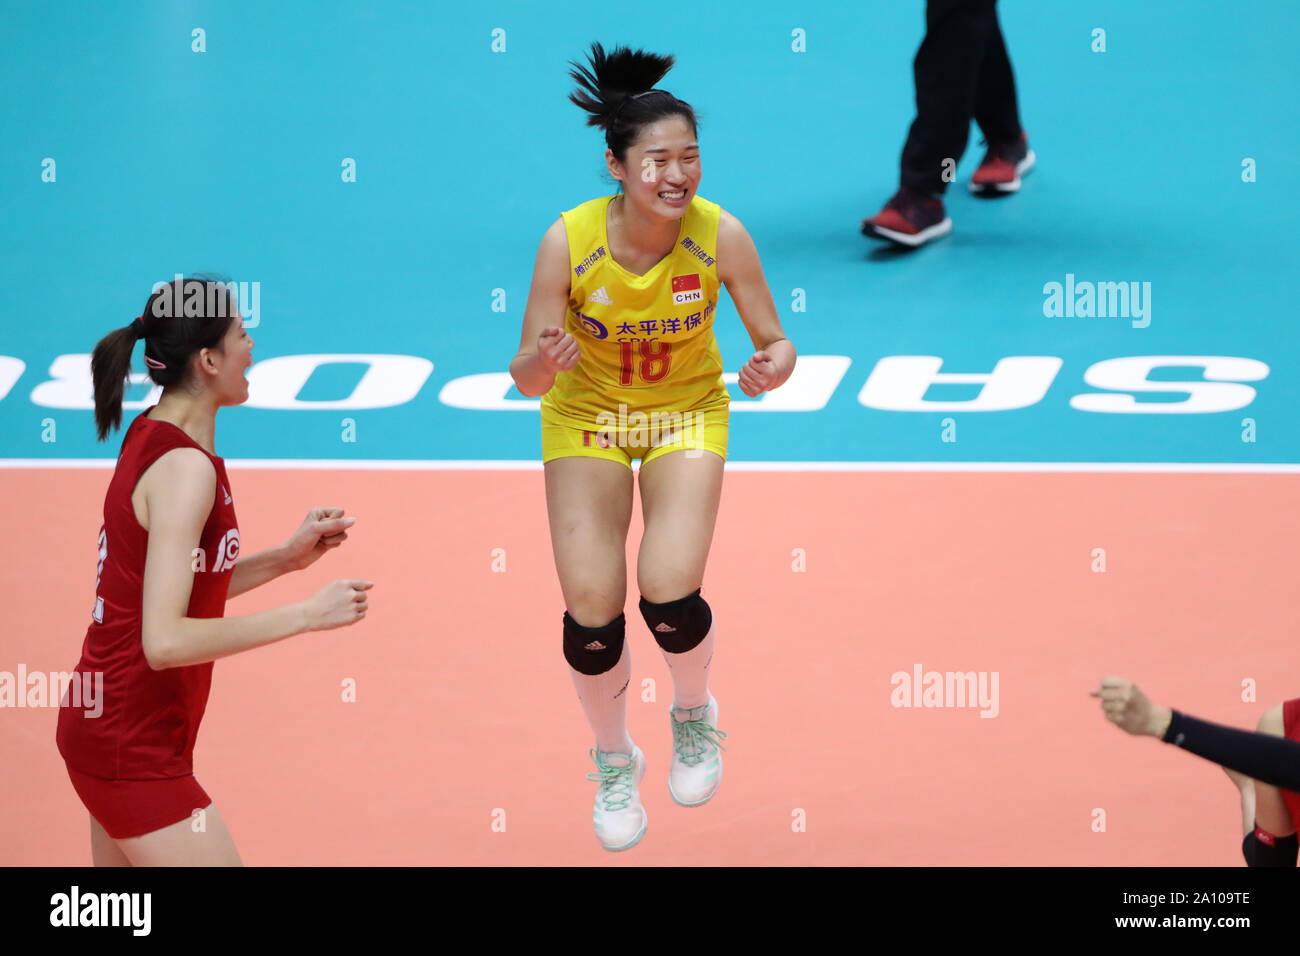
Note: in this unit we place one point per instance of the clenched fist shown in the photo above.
(338, 604)
(1125, 705)
(558, 350)
(757, 375)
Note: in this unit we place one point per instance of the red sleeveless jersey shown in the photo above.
(1291, 729)
(150, 718)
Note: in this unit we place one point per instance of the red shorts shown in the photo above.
(132, 808)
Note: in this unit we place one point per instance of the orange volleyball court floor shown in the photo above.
(466, 744)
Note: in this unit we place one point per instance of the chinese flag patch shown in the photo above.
(685, 283)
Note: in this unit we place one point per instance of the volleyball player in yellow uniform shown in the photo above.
(633, 372)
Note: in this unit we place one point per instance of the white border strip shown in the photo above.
(341, 464)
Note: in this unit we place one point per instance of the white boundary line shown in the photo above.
(341, 464)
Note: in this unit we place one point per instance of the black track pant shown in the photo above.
(962, 72)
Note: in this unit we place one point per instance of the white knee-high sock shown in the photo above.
(691, 672)
(604, 701)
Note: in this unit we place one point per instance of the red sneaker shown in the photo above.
(909, 218)
(1003, 165)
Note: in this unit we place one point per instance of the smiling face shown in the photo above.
(662, 172)
(223, 368)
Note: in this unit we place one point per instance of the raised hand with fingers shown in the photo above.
(322, 529)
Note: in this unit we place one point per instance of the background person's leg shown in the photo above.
(996, 110)
(947, 73)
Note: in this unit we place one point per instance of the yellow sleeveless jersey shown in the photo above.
(646, 342)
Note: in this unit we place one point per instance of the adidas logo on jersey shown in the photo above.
(595, 646)
(601, 296)
(664, 628)
(226, 493)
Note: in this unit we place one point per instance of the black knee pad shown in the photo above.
(1263, 849)
(678, 626)
(594, 650)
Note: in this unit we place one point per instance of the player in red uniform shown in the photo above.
(168, 559)
(1268, 812)
(1265, 766)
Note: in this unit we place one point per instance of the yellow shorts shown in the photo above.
(695, 432)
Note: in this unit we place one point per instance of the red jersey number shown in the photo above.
(98, 612)
(103, 556)
(656, 358)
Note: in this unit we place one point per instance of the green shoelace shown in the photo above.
(615, 782)
(693, 740)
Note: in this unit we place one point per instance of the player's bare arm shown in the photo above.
(545, 349)
(740, 270)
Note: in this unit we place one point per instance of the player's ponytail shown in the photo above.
(110, 364)
(618, 91)
(180, 318)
